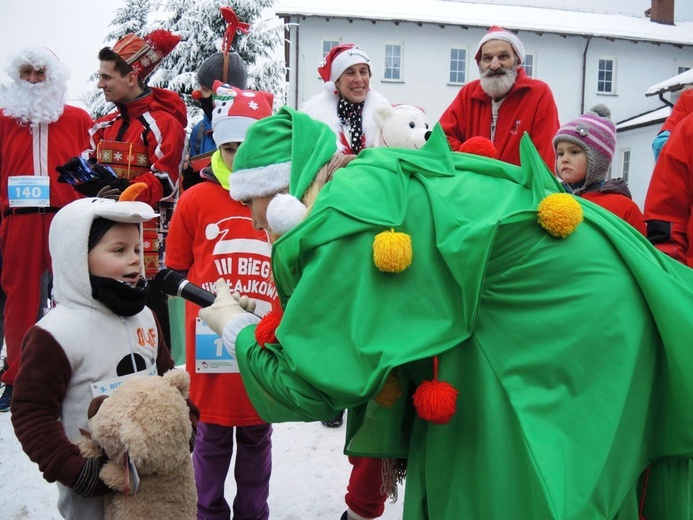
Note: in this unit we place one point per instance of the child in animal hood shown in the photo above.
(488, 305)
(99, 333)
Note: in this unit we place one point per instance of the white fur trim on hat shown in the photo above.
(262, 181)
(498, 33)
(232, 129)
(346, 59)
(284, 212)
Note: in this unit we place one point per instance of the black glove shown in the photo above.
(88, 483)
(92, 188)
(75, 171)
(189, 177)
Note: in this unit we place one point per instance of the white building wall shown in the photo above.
(558, 62)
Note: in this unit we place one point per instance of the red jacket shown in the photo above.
(156, 119)
(528, 107)
(682, 108)
(37, 151)
(212, 236)
(619, 205)
(670, 197)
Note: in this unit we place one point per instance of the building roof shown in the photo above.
(538, 19)
(652, 117)
(672, 84)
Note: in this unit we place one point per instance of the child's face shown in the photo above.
(571, 162)
(117, 254)
(228, 153)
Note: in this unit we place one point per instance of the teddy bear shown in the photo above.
(144, 429)
(401, 126)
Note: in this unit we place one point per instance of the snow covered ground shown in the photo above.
(309, 477)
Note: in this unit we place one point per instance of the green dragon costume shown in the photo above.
(572, 357)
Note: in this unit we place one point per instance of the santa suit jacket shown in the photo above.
(670, 198)
(323, 107)
(528, 107)
(156, 119)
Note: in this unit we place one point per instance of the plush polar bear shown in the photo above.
(145, 420)
(401, 126)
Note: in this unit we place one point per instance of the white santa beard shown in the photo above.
(35, 103)
(498, 86)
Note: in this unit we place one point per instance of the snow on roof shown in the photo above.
(538, 19)
(652, 117)
(672, 84)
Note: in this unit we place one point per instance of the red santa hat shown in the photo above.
(498, 33)
(144, 54)
(236, 110)
(339, 59)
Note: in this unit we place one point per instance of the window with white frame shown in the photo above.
(528, 65)
(682, 68)
(393, 62)
(606, 77)
(327, 44)
(625, 165)
(458, 65)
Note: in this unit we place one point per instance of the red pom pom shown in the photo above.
(435, 401)
(162, 42)
(480, 146)
(265, 332)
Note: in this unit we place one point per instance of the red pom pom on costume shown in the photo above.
(162, 42)
(435, 401)
(265, 332)
(480, 146)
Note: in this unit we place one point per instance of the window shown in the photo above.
(528, 65)
(625, 165)
(327, 45)
(458, 65)
(680, 69)
(606, 81)
(393, 61)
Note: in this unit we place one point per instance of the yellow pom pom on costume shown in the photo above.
(391, 391)
(392, 251)
(559, 214)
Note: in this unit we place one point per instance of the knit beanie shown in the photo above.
(235, 110)
(339, 59)
(284, 151)
(212, 69)
(595, 133)
(498, 33)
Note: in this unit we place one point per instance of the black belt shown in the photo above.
(27, 211)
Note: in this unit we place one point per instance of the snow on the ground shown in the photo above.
(309, 477)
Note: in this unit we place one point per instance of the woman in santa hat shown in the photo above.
(348, 102)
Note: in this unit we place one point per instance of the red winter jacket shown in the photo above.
(682, 108)
(156, 119)
(670, 197)
(528, 107)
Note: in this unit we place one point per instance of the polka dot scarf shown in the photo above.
(350, 115)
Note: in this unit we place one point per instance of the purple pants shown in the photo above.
(212, 459)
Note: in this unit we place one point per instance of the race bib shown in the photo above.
(210, 355)
(28, 191)
(106, 386)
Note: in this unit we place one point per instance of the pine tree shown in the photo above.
(201, 27)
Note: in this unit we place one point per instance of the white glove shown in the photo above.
(247, 304)
(223, 310)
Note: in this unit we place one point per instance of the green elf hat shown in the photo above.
(280, 152)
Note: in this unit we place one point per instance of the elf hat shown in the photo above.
(339, 59)
(498, 33)
(595, 133)
(236, 110)
(284, 151)
(145, 54)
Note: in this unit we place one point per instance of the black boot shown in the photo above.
(335, 423)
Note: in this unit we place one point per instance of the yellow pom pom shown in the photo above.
(391, 391)
(559, 214)
(392, 252)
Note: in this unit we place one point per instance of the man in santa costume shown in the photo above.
(38, 132)
(504, 103)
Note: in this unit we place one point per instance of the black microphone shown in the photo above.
(175, 284)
